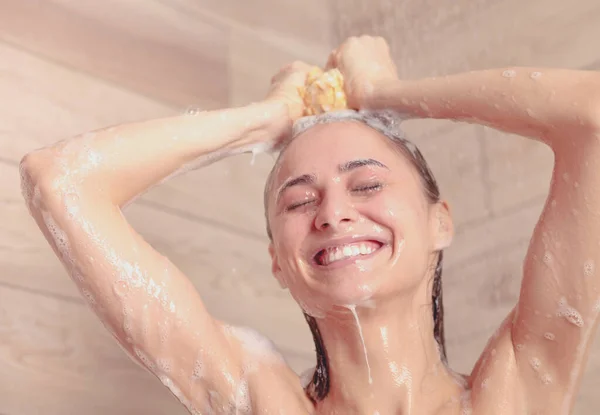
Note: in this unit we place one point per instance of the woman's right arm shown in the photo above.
(75, 191)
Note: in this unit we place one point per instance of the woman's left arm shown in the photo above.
(557, 313)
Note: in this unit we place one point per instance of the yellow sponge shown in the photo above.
(323, 92)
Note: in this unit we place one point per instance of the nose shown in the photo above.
(335, 211)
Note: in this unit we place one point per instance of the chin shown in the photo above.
(319, 301)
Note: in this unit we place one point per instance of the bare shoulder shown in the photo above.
(268, 385)
(495, 383)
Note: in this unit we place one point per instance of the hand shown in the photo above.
(286, 86)
(363, 61)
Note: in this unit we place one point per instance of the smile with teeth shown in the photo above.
(338, 253)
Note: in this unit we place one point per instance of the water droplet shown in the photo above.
(88, 296)
(193, 111)
(588, 268)
(120, 288)
(535, 363)
(535, 75)
(547, 258)
(198, 370)
(549, 336)
(509, 73)
(165, 365)
(569, 313)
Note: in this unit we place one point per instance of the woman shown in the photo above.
(357, 234)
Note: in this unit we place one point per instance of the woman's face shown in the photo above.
(349, 218)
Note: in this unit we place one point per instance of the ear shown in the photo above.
(275, 268)
(442, 227)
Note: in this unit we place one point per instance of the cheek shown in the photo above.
(408, 214)
(289, 234)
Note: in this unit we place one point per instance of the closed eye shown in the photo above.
(368, 189)
(298, 205)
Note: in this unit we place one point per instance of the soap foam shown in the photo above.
(307, 376)
(569, 313)
(254, 343)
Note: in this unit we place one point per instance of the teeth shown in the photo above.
(347, 251)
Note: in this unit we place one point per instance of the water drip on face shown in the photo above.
(352, 308)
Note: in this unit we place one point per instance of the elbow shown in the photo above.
(29, 177)
(37, 171)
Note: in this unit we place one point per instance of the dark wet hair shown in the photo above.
(387, 123)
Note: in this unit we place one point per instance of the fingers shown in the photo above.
(363, 41)
(332, 61)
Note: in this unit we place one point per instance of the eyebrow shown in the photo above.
(342, 168)
(354, 164)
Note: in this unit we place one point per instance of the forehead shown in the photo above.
(322, 148)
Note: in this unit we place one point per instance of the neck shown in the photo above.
(385, 359)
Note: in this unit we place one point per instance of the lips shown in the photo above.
(346, 249)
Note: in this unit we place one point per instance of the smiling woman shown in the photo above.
(362, 240)
(357, 229)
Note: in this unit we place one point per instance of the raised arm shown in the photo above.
(551, 328)
(75, 190)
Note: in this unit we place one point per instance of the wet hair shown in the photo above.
(387, 123)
